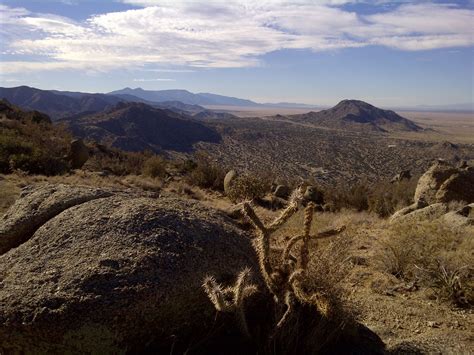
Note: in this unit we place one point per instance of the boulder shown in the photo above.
(427, 213)
(431, 181)
(312, 194)
(37, 206)
(420, 203)
(282, 191)
(403, 175)
(79, 154)
(229, 180)
(462, 217)
(458, 187)
(112, 274)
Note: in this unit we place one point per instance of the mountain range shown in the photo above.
(67, 104)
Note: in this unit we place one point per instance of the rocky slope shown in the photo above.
(139, 127)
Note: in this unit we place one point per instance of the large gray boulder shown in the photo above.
(427, 213)
(443, 182)
(37, 206)
(113, 274)
(461, 217)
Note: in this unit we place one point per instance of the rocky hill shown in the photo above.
(12, 112)
(357, 115)
(139, 127)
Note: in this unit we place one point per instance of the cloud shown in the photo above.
(217, 34)
(153, 79)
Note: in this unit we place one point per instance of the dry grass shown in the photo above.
(434, 255)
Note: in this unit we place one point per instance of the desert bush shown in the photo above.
(249, 187)
(115, 161)
(154, 167)
(35, 148)
(205, 173)
(342, 197)
(385, 198)
(432, 254)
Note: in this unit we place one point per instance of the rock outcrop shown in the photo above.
(441, 184)
(444, 183)
(101, 272)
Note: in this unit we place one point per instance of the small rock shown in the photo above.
(433, 324)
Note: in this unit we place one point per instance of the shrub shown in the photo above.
(154, 167)
(432, 254)
(248, 187)
(28, 146)
(355, 197)
(115, 161)
(385, 199)
(206, 173)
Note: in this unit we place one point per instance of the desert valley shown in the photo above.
(236, 177)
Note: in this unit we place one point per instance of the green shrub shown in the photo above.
(28, 154)
(206, 173)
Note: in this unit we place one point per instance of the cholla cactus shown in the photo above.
(285, 280)
(231, 299)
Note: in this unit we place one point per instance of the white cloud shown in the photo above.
(143, 80)
(219, 34)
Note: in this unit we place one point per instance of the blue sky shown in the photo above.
(389, 53)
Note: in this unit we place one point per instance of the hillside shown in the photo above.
(138, 127)
(357, 115)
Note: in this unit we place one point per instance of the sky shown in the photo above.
(389, 53)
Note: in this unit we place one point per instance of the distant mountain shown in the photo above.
(69, 104)
(357, 115)
(138, 127)
(57, 104)
(185, 97)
